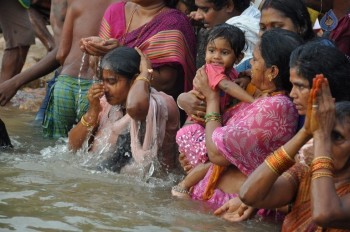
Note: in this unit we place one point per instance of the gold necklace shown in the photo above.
(143, 27)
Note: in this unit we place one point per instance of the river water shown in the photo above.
(45, 188)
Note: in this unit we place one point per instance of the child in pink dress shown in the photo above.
(224, 49)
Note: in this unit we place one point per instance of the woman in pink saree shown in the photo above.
(249, 131)
(164, 34)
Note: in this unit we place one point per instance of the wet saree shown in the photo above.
(300, 219)
(168, 39)
(151, 142)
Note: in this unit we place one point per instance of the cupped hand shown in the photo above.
(7, 91)
(96, 46)
(235, 210)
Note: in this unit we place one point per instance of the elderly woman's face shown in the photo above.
(272, 18)
(300, 91)
(341, 143)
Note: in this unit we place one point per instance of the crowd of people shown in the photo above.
(248, 98)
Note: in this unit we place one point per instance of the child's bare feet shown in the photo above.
(181, 192)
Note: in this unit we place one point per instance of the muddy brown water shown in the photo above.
(43, 187)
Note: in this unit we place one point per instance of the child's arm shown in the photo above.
(195, 175)
(192, 178)
(234, 90)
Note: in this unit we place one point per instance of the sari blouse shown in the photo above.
(168, 39)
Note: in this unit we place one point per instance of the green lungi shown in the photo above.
(67, 104)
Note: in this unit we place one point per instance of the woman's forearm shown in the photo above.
(213, 153)
(137, 103)
(83, 130)
(261, 188)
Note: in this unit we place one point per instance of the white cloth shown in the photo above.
(248, 22)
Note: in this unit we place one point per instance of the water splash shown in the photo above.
(79, 82)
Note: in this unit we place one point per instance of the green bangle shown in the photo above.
(213, 114)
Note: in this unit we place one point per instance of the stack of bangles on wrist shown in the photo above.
(85, 123)
(141, 78)
(212, 117)
(322, 166)
(279, 161)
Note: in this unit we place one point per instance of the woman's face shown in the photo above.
(116, 87)
(219, 52)
(341, 143)
(300, 91)
(272, 18)
(259, 70)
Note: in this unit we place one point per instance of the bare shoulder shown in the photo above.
(96, 4)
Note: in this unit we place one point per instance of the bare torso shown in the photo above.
(57, 16)
(83, 20)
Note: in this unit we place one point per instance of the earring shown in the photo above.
(270, 77)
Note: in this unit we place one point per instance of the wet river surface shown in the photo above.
(43, 187)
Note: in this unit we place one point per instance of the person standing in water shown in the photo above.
(128, 121)
(67, 102)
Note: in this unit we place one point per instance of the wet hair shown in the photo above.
(190, 4)
(122, 60)
(171, 3)
(275, 46)
(316, 58)
(232, 34)
(240, 5)
(296, 11)
(342, 111)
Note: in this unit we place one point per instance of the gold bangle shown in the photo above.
(317, 166)
(322, 158)
(85, 123)
(141, 78)
(271, 167)
(279, 161)
(317, 175)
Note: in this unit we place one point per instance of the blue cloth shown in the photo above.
(40, 115)
(243, 66)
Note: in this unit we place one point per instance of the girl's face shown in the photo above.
(300, 91)
(259, 70)
(116, 87)
(219, 52)
(272, 18)
(341, 143)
